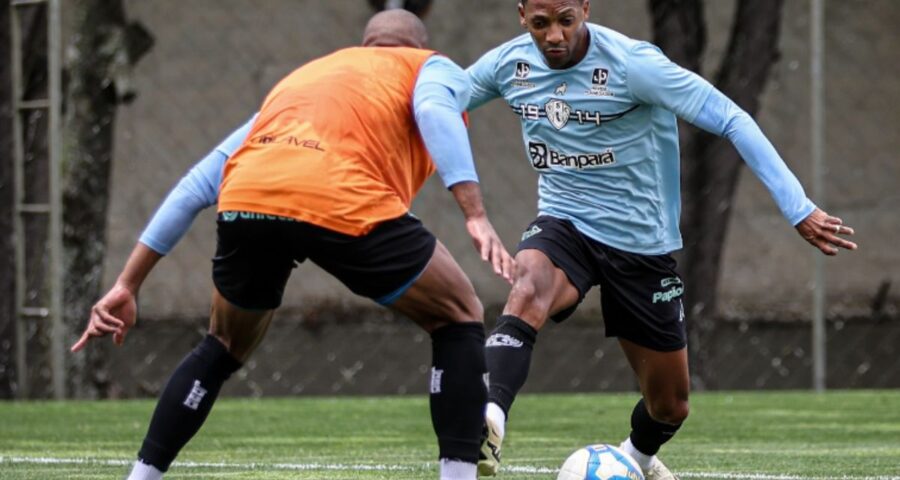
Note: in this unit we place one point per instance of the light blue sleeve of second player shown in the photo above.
(440, 97)
(197, 190)
(483, 74)
(654, 79)
(721, 116)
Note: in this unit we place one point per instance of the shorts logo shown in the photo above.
(534, 230)
(229, 216)
(558, 113)
(543, 158)
(522, 70)
(195, 396)
(669, 295)
(436, 375)
(669, 281)
(503, 340)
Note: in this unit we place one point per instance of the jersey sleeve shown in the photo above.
(654, 79)
(721, 116)
(483, 73)
(440, 97)
(197, 190)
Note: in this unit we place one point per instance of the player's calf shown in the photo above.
(184, 404)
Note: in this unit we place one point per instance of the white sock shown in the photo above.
(642, 459)
(496, 415)
(142, 471)
(457, 470)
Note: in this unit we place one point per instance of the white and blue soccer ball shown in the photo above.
(600, 462)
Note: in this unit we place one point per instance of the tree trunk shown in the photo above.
(711, 165)
(103, 52)
(7, 261)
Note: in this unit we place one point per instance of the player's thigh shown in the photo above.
(540, 289)
(441, 294)
(238, 329)
(553, 272)
(401, 265)
(254, 258)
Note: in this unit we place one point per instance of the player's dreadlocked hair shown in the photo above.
(418, 7)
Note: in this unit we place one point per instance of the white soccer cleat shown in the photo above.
(658, 471)
(489, 456)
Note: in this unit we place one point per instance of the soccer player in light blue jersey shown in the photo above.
(598, 113)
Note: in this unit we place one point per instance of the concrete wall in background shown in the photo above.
(214, 61)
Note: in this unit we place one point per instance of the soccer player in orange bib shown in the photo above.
(327, 172)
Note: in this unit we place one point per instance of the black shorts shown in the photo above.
(255, 254)
(641, 295)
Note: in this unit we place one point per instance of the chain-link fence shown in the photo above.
(214, 60)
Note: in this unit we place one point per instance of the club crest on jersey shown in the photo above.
(558, 113)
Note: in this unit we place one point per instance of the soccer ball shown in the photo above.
(600, 462)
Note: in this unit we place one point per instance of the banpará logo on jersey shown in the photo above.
(599, 80)
(542, 158)
(523, 69)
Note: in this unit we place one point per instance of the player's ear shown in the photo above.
(586, 6)
(522, 16)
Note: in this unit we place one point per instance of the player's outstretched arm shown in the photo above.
(115, 313)
(824, 232)
(485, 238)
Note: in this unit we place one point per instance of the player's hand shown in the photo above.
(824, 232)
(114, 314)
(488, 244)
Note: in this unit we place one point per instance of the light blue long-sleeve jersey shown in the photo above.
(603, 136)
(441, 94)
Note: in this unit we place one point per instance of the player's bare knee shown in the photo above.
(527, 297)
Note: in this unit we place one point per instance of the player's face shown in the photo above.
(558, 29)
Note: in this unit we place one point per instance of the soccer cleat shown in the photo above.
(658, 471)
(489, 456)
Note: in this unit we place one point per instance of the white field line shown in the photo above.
(522, 469)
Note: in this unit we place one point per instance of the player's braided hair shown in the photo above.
(418, 7)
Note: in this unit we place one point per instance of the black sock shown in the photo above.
(647, 434)
(458, 393)
(186, 401)
(508, 357)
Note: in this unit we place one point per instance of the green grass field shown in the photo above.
(754, 436)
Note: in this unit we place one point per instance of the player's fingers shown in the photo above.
(842, 243)
(107, 318)
(509, 267)
(80, 343)
(88, 334)
(826, 248)
(497, 257)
